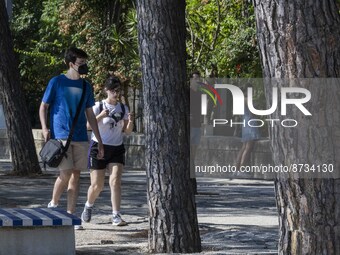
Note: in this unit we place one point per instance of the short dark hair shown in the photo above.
(72, 53)
(112, 82)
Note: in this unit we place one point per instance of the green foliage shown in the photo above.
(106, 30)
(42, 30)
(221, 38)
(221, 41)
(38, 45)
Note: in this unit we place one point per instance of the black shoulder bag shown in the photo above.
(54, 151)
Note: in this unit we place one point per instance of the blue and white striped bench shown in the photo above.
(37, 231)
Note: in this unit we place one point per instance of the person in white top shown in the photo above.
(113, 120)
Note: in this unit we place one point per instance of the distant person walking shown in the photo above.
(250, 134)
(195, 123)
(61, 97)
(114, 120)
(195, 114)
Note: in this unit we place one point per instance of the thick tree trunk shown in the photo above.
(24, 158)
(300, 39)
(173, 217)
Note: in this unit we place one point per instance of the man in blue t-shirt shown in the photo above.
(61, 97)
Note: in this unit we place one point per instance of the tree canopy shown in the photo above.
(220, 41)
(221, 38)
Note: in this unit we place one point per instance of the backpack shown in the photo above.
(115, 117)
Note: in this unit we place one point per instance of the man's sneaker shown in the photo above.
(51, 206)
(78, 227)
(117, 220)
(86, 214)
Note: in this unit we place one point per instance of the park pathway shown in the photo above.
(235, 216)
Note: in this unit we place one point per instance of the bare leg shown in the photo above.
(60, 185)
(239, 156)
(193, 149)
(115, 185)
(72, 191)
(247, 152)
(97, 185)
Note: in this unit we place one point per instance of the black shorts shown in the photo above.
(112, 154)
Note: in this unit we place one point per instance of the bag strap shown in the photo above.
(69, 139)
(122, 106)
(100, 106)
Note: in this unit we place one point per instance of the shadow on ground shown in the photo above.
(235, 216)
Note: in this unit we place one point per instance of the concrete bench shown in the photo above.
(37, 231)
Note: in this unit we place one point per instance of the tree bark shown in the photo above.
(24, 158)
(173, 217)
(300, 39)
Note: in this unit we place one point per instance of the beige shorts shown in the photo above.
(76, 156)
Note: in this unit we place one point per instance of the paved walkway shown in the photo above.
(235, 216)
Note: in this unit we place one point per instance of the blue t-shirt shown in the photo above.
(63, 95)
